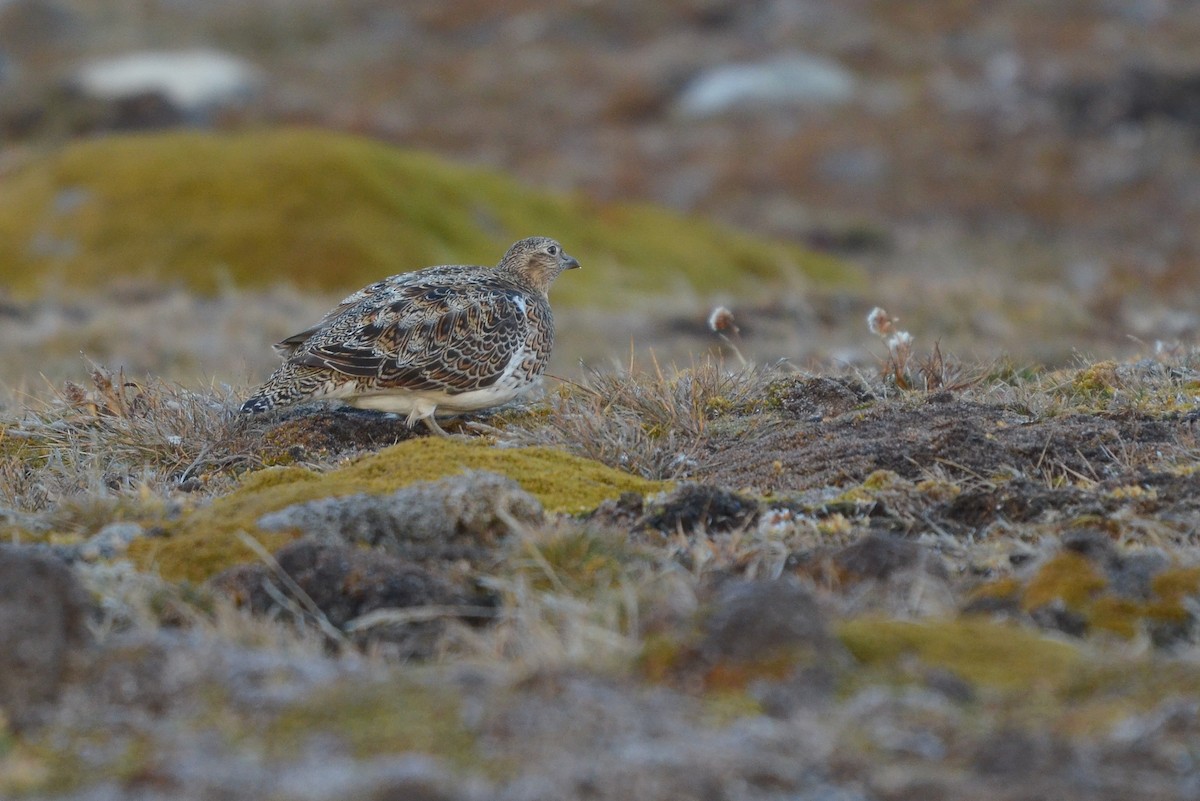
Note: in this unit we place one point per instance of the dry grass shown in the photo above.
(117, 449)
(652, 422)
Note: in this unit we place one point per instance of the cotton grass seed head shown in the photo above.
(880, 323)
(721, 321)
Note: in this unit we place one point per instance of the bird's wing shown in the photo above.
(424, 336)
(287, 347)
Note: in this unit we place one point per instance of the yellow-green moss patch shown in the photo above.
(562, 482)
(1096, 381)
(209, 540)
(1003, 589)
(335, 211)
(991, 654)
(1069, 578)
(1171, 590)
(379, 720)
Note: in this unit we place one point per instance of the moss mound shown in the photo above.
(211, 539)
(334, 211)
(992, 654)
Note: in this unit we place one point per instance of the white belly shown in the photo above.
(421, 404)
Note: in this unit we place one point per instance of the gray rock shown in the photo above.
(755, 619)
(42, 613)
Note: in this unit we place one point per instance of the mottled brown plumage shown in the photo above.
(451, 338)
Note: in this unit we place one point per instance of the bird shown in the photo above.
(451, 338)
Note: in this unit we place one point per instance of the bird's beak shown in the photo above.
(569, 263)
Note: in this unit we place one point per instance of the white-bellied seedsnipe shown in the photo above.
(452, 339)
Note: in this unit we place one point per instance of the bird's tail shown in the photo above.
(258, 404)
(288, 384)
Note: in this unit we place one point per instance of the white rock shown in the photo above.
(193, 80)
(792, 80)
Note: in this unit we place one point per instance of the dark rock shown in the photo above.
(699, 506)
(345, 583)
(1095, 545)
(307, 430)
(972, 508)
(42, 613)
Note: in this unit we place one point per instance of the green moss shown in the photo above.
(1003, 589)
(197, 553)
(868, 491)
(334, 211)
(1176, 584)
(987, 653)
(1171, 589)
(379, 720)
(210, 539)
(1096, 381)
(1067, 577)
(1115, 614)
(883, 479)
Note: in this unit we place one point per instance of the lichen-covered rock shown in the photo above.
(213, 537)
(1091, 585)
(42, 613)
(420, 521)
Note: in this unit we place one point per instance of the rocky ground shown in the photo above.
(739, 583)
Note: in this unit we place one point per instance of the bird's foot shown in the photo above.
(483, 428)
(434, 428)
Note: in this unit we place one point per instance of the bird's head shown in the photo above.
(537, 261)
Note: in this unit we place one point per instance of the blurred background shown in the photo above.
(1011, 177)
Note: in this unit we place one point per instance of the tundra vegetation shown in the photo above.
(898, 574)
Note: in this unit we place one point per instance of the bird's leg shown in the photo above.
(431, 423)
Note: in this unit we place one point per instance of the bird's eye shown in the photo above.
(552, 250)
